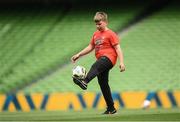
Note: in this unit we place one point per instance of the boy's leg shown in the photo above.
(106, 91)
(98, 67)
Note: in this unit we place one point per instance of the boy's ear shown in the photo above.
(105, 22)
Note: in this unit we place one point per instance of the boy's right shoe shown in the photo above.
(80, 83)
(110, 111)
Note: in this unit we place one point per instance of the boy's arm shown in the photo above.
(120, 56)
(85, 51)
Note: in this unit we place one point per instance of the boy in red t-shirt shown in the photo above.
(107, 49)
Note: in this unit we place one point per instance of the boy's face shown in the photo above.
(101, 25)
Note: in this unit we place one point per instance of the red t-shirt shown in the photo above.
(103, 41)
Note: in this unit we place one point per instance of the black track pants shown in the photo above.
(101, 69)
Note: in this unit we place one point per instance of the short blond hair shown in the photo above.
(100, 16)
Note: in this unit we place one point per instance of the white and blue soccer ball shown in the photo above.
(79, 71)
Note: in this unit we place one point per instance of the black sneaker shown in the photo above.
(110, 111)
(80, 83)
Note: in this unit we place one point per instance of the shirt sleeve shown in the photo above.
(114, 39)
(92, 40)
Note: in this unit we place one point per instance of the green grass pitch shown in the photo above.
(94, 115)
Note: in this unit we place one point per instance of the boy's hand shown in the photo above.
(122, 67)
(74, 58)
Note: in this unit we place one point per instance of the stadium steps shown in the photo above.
(80, 38)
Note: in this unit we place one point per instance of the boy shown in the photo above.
(107, 49)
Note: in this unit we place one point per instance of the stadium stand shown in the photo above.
(36, 45)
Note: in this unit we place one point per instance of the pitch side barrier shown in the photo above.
(87, 100)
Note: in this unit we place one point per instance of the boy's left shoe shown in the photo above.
(110, 111)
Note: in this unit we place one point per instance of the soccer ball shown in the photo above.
(79, 72)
